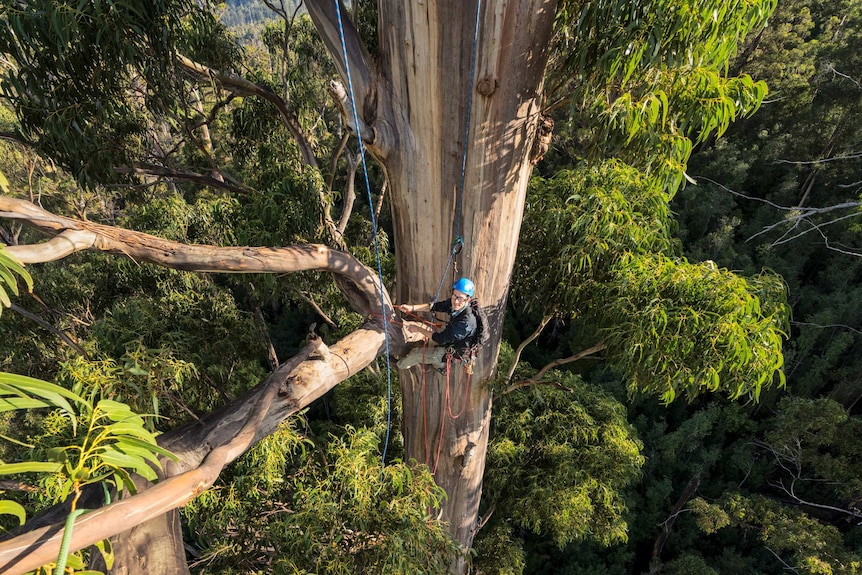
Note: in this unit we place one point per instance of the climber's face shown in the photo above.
(459, 300)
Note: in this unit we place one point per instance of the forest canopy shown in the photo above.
(203, 240)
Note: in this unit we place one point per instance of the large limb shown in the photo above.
(297, 385)
(360, 284)
(204, 449)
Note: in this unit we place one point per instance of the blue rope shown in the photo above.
(458, 243)
(373, 228)
(467, 127)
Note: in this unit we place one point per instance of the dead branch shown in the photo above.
(536, 379)
(64, 337)
(185, 175)
(310, 301)
(820, 161)
(271, 355)
(667, 524)
(349, 193)
(524, 344)
(380, 198)
(245, 87)
(333, 31)
(799, 216)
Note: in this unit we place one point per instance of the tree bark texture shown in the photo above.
(427, 48)
(422, 88)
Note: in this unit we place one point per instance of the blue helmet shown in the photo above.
(464, 285)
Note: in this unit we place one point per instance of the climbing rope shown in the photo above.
(458, 242)
(373, 228)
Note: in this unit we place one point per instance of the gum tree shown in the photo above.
(451, 101)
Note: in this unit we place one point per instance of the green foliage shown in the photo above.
(342, 512)
(580, 223)
(682, 328)
(88, 118)
(815, 447)
(654, 79)
(637, 36)
(688, 565)
(559, 461)
(670, 326)
(13, 508)
(9, 268)
(362, 402)
(114, 442)
(498, 551)
(797, 541)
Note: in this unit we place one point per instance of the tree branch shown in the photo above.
(797, 217)
(524, 344)
(325, 18)
(536, 379)
(185, 175)
(271, 355)
(667, 524)
(364, 76)
(245, 87)
(35, 548)
(359, 283)
(41, 322)
(349, 194)
(310, 301)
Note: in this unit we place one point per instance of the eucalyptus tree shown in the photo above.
(449, 98)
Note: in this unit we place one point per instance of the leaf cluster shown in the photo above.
(96, 440)
(795, 539)
(343, 512)
(679, 328)
(559, 462)
(654, 80)
(92, 115)
(9, 268)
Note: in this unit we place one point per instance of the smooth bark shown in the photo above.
(423, 85)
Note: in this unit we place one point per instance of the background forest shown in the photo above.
(725, 487)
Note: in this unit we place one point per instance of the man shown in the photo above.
(458, 333)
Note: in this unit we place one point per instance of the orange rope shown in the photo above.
(464, 387)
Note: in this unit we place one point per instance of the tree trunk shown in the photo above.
(413, 102)
(426, 52)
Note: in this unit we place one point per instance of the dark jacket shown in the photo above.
(461, 327)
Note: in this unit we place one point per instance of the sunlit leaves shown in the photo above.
(114, 440)
(682, 328)
(794, 538)
(12, 508)
(655, 79)
(9, 269)
(578, 225)
(559, 461)
(337, 510)
(601, 248)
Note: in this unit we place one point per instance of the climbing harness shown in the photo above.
(373, 228)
